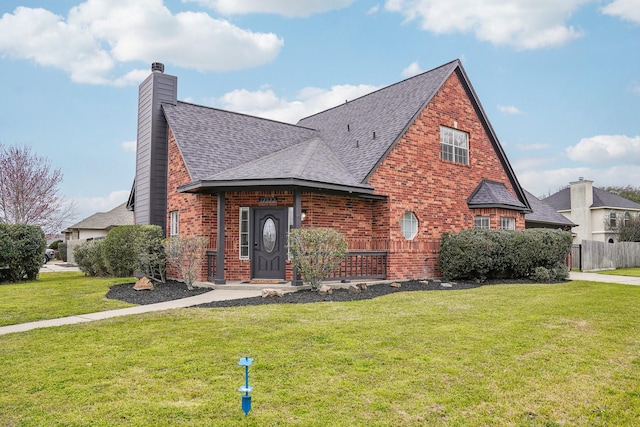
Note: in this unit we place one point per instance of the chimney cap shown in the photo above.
(157, 67)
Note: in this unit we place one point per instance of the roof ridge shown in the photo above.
(239, 114)
(382, 88)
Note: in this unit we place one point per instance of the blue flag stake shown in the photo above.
(246, 399)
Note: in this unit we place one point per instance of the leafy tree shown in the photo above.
(185, 254)
(628, 192)
(317, 252)
(29, 190)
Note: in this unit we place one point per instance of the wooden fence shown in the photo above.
(592, 255)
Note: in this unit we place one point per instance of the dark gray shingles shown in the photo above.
(212, 140)
(493, 194)
(348, 129)
(544, 213)
(561, 200)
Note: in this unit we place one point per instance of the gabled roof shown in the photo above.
(491, 194)
(105, 220)
(544, 213)
(222, 149)
(561, 201)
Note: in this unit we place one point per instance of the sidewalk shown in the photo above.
(606, 278)
(221, 294)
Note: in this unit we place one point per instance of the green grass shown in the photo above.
(56, 295)
(518, 355)
(635, 272)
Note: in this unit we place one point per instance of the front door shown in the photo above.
(269, 243)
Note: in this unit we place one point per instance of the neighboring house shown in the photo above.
(96, 227)
(593, 210)
(545, 216)
(392, 171)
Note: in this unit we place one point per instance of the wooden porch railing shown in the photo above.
(362, 265)
(211, 264)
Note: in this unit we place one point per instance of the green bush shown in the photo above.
(62, 251)
(129, 248)
(316, 252)
(54, 245)
(502, 254)
(89, 258)
(21, 252)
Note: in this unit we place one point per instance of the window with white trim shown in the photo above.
(173, 223)
(613, 219)
(454, 145)
(507, 223)
(481, 222)
(626, 219)
(244, 233)
(409, 225)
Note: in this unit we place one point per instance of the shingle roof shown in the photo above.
(493, 194)
(104, 220)
(349, 128)
(561, 201)
(544, 213)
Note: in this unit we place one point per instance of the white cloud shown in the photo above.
(265, 103)
(524, 24)
(129, 146)
(606, 148)
(290, 8)
(87, 206)
(532, 147)
(373, 10)
(98, 35)
(411, 70)
(628, 10)
(509, 109)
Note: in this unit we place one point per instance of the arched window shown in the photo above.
(626, 219)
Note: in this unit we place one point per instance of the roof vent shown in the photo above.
(157, 67)
(581, 178)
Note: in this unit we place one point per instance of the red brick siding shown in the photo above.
(436, 191)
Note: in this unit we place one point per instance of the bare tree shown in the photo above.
(29, 191)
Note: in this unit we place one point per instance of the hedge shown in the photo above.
(21, 252)
(537, 254)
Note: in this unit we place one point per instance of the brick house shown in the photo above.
(392, 171)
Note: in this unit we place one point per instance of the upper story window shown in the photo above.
(507, 223)
(613, 219)
(409, 225)
(454, 145)
(626, 219)
(481, 222)
(173, 227)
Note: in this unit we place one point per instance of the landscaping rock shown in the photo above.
(325, 290)
(143, 284)
(362, 286)
(353, 289)
(395, 285)
(446, 285)
(271, 293)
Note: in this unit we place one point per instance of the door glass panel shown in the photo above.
(269, 235)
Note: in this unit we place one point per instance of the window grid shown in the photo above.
(244, 233)
(454, 145)
(174, 221)
(409, 225)
(507, 223)
(481, 222)
(613, 219)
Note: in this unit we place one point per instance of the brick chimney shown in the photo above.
(152, 147)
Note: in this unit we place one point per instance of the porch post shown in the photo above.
(297, 223)
(219, 278)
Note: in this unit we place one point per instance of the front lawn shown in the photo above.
(635, 272)
(56, 295)
(528, 355)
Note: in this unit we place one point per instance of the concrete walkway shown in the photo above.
(606, 278)
(222, 294)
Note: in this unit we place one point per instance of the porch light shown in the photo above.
(303, 215)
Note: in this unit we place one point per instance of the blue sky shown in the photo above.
(558, 79)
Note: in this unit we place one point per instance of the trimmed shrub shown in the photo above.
(21, 252)
(89, 258)
(186, 253)
(503, 254)
(316, 252)
(62, 251)
(128, 248)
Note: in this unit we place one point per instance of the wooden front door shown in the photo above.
(269, 233)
